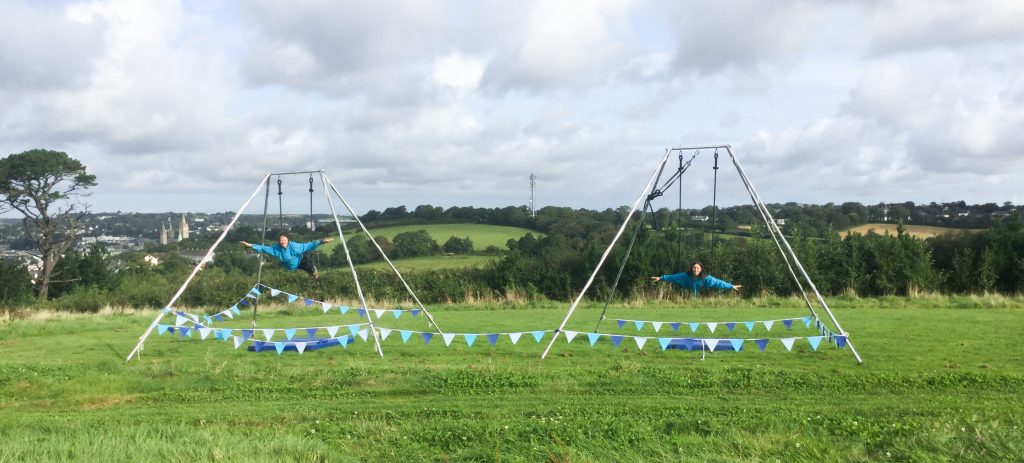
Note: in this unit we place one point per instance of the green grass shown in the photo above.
(481, 235)
(431, 263)
(938, 384)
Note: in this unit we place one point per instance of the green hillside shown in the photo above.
(481, 235)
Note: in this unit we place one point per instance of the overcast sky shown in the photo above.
(182, 106)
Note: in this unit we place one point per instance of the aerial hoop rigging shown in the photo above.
(330, 192)
(653, 189)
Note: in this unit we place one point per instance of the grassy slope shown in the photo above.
(937, 384)
(920, 231)
(481, 235)
(431, 263)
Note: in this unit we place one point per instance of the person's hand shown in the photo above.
(737, 287)
(327, 240)
(655, 278)
(248, 245)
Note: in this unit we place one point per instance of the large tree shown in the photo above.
(46, 187)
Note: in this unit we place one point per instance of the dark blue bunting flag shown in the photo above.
(788, 322)
(761, 343)
(362, 312)
(311, 332)
(841, 342)
(731, 326)
(218, 317)
(308, 302)
(415, 312)
(675, 326)
(616, 340)
(492, 338)
(244, 303)
(184, 331)
(427, 337)
(621, 323)
(246, 334)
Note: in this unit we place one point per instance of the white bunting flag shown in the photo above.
(514, 337)
(300, 346)
(640, 341)
(332, 331)
(768, 324)
(204, 332)
(267, 334)
(711, 343)
(326, 306)
(448, 338)
(712, 326)
(788, 342)
(570, 335)
(363, 334)
(179, 320)
(238, 341)
(657, 326)
(384, 333)
(379, 313)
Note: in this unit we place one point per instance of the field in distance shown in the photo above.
(919, 231)
(481, 235)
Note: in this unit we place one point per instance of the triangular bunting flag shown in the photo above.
(693, 327)
(167, 310)
(384, 333)
(209, 320)
(332, 331)
(639, 324)
(353, 329)
(378, 312)
(274, 292)
(414, 312)
(657, 326)
(427, 337)
(538, 335)
(731, 326)
(470, 338)
(593, 337)
(292, 298)
(711, 344)
(225, 334)
(308, 302)
(246, 334)
(768, 324)
(244, 303)
(279, 347)
(238, 341)
(448, 337)
(675, 326)
(204, 333)
(179, 320)
(492, 338)
(405, 335)
(363, 334)
(616, 340)
(300, 346)
(841, 342)
(343, 309)
(326, 306)
(343, 341)
(640, 341)
(664, 342)
(737, 344)
(570, 335)
(514, 337)
(712, 326)
(750, 326)
(234, 310)
(761, 343)
(788, 322)
(311, 332)
(256, 291)
(218, 317)
(185, 332)
(397, 313)
(361, 312)
(161, 329)
(621, 323)
(289, 333)
(788, 342)
(807, 322)
(815, 341)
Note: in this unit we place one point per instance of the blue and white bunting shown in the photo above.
(711, 344)
(514, 337)
(788, 342)
(405, 335)
(593, 337)
(538, 335)
(570, 335)
(470, 338)
(664, 342)
(384, 333)
(448, 337)
(640, 341)
(815, 341)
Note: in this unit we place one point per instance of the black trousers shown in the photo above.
(306, 264)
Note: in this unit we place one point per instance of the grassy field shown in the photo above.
(431, 263)
(920, 231)
(481, 235)
(937, 385)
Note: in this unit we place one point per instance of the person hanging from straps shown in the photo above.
(292, 254)
(696, 279)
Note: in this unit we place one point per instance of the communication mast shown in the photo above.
(533, 184)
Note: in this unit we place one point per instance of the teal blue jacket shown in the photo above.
(696, 284)
(290, 256)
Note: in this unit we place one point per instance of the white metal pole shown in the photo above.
(386, 258)
(348, 257)
(209, 254)
(597, 268)
(796, 260)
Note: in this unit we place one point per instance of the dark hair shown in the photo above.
(703, 269)
(279, 235)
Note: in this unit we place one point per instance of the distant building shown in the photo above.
(183, 229)
(167, 231)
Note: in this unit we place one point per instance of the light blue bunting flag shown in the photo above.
(750, 326)
(492, 338)
(414, 312)
(538, 335)
(514, 337)
(161, 329)
(807, 322)
(167, 310)
(693, 327)
(279, 347)
(621, 323)
(616, 340)
(664, 342)
(788, 342)
(675, 326)
(343, 309)
(470, 338)
(593, 337)
(815, 341)
(396, 313)
(427, 337)
(234, 310)
(737, 344)
(639, 324)
(292, 298)
(209, 320)
(353, 329)
(405, 335)
(448, 337)
(256, 291)
(343, 341)
(289, 333)
(761, 343)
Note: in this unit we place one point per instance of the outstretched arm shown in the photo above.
(713, 282)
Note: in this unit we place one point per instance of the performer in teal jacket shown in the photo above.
(291, 254)
(696, 279)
